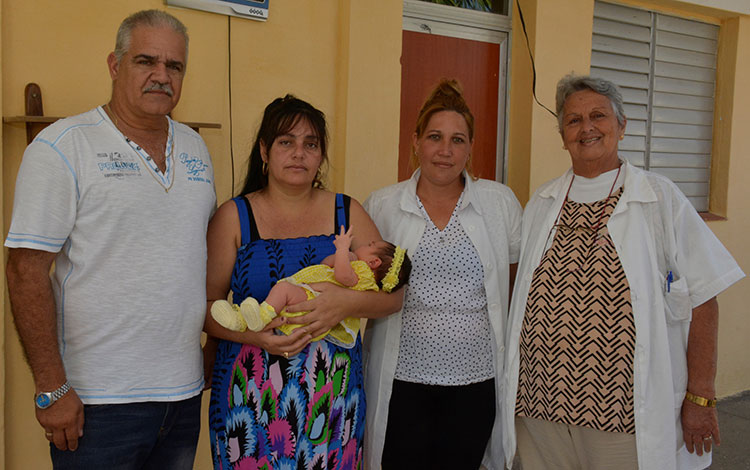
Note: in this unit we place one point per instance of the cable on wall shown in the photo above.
(533, 67)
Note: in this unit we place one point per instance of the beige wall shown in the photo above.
(734, 328)
(326, 52)
(371, 76)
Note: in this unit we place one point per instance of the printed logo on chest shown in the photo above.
(195, 168)
(117, 165)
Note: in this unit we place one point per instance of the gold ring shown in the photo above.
(286, 354)
(707, 438)
(48, 434)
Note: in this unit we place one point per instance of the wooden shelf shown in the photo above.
(51, 119)
(35, 120)
(47, 119)
(202, 125)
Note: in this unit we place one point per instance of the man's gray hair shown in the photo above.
(150, 18)
(570, 84)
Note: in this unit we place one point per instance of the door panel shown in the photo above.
(425, 59)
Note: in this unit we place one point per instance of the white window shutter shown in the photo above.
(665, 67)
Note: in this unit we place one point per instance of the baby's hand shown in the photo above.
(343, 241)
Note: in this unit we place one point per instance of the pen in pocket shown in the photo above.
(670, 278)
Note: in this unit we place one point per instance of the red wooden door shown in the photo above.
(425, 59)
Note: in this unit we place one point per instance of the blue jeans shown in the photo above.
(147, 435)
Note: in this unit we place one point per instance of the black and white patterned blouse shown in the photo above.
(445, 335)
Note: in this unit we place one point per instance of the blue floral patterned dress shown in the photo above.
(267, 412)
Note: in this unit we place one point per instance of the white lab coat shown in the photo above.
(654, 229)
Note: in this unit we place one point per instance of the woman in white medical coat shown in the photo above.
(611, 350)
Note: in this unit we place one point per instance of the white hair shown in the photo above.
(151, 18)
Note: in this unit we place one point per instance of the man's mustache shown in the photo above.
(156, 86)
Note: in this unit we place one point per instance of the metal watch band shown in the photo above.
(62, 390)
(44, 400)
(700, 401)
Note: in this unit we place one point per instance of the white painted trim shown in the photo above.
(456, 16)
(736, 6)
(503, 111)
(452, 30)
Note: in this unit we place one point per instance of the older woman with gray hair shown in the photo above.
(612, 335)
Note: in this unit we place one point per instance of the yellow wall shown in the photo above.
(521, 102)
(535, 148)
(372, 77)
(734, 327)
(344, 57)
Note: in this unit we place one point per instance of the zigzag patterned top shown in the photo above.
(578, 335)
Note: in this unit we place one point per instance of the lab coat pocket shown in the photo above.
(677, 301)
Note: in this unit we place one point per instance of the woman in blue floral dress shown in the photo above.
(277, 401)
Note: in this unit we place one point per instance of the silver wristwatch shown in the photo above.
(44, 400)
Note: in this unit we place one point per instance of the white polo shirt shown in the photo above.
(129, 278)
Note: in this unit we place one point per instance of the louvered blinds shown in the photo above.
(666, 69)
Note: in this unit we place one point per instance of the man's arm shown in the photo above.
(700, 424)
(33, 306)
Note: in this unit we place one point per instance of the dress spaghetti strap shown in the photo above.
(247, 222)
(342, 212)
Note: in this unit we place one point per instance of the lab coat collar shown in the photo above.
(637, 186)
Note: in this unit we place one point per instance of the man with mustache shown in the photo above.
(119, 199)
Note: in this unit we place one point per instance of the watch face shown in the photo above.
(43, 400)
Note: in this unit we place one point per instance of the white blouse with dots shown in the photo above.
(445, 336)
(489, 216)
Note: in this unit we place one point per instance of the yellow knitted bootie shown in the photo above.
(256, 316)
(228, 315)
